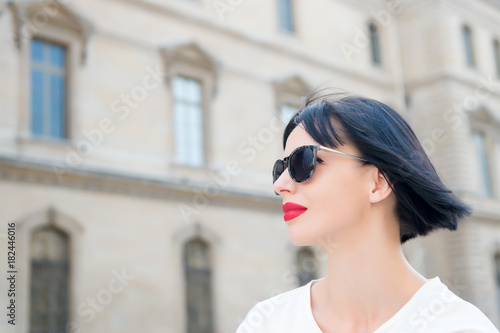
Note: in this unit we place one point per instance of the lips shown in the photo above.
(292, 210)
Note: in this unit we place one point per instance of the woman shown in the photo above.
(356, 182)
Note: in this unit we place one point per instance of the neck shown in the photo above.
(368, 279)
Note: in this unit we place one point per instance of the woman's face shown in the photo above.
(336, 197)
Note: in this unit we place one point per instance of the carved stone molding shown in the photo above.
(32, 17)
(24, 171)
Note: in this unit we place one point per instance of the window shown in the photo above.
(469, 51)
(374, 44)
(286, 113)
(481, 148)
(285, 15)
(48, 90)
(496, 51)
(49, 280)
(306, 266)
(188, 120)
(198, 273)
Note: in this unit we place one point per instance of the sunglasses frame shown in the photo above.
(315, 149)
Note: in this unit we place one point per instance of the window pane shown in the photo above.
(57, 95)
(193, 92)
(57, 56)
(37, 50)
(196, 138)
(37, 102)
(181, 146)
(179, 87)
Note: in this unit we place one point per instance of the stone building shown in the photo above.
(137, 138)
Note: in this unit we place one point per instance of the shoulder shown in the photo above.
(281, 313)
(438, 309)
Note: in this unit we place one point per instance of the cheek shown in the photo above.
(339, 200)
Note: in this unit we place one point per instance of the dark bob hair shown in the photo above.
(385, 140)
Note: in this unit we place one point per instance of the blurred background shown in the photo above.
(137, 139)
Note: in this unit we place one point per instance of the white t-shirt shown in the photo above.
(432, 309)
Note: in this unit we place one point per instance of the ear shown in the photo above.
(381, 187)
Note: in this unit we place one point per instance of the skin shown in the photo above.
(351, 216)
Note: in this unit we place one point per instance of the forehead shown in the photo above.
(298, 137)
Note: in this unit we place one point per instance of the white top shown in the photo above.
(432, 309)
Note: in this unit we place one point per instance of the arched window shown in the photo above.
(198, 273)
(49, 255)
(306, 266)
(374, 44)
(469, 51)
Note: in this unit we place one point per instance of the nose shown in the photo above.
(284, 184)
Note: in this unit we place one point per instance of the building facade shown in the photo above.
(137, 140)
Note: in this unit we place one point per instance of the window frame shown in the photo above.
(65, 262)
(65, 28)
(180, 237)
(73, 229)
(191, 61)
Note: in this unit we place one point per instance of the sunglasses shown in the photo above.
(302, 162)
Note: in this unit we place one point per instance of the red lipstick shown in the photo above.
(292, 210)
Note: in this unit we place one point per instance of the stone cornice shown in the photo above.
(182, 191)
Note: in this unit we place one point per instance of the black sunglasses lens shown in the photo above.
(278, 169)
(302, 164)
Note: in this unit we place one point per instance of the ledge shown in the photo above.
(87, 179)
